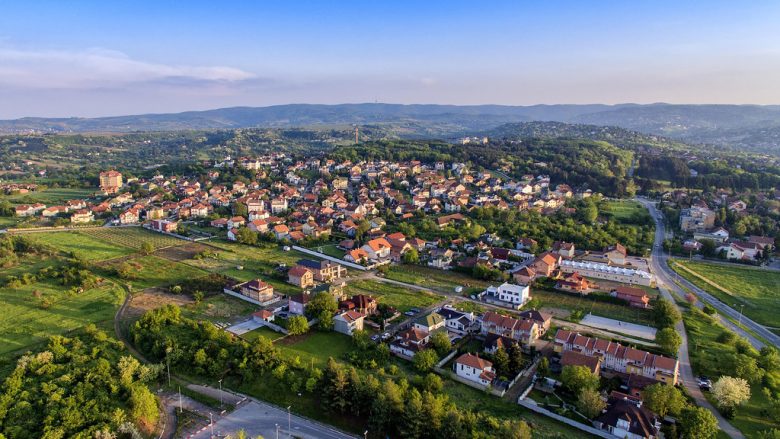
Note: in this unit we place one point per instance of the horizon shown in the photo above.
(96, 59)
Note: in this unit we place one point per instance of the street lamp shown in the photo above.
(211, 423)
(741, 307)
(277, 431)
(289, 422)
(220, 393)
(365, 434)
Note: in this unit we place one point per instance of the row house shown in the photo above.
(521, 331)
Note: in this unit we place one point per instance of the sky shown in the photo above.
(100, 58)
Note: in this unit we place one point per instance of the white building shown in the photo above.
(348, 322)
(515, 295)
(607, 272)
(475, 369)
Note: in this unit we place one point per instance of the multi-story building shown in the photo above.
(598, 270)
(110, 181)
(524, 331)
(696, 219)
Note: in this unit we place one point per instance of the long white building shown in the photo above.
(608, 272)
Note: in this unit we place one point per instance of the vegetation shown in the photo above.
(82, 245)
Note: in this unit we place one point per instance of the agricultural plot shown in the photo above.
(396, 296)
(83, 246)
(316, 347)
(440, 280)
(151, 271)
(219, 308)
(133, 237)
(27, 321)
(570, 302)
(51, 196)
(754, 288)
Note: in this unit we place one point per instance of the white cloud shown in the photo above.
(93, 68)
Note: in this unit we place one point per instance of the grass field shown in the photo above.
(218, 308)
(396, 296)
(622, 210)
(26, 323)
(83, 246)
(261, 331)
(51, 196)
(572, 302)
(151, 271)
(758, 290)
(440, 280)
(316, 346)
(707, 358)
(9, 221)
(133, 237)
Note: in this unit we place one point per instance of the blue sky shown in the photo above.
(80, 58)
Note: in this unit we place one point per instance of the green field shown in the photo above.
(261, 331)
(151, 271)
(316, 346)
(49, 196)
(83, 246)
(572, 302)
(755, 288)
(622, 211)
(440, 280)
(396, 296)
(707, 358)
(218, 308)
(133, 237)
(26, 323)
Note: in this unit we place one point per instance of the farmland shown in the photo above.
(82, 246)
(151, 271)
(51, 196)
(133, 237)
(439, 280)
(396, 296)
(553, 299)
(754, 288)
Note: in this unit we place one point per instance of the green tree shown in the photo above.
(747, 367)
(432, 383)
(589, 403)
(147, 248)
(544, 367)
(516, 358)
(730, 393)
(663, 399)
(413, 419)
(577, 378)
(246, 236)
(769, 359)
(424, 360)
(501, 362)
(669, 340)
(297, 325)
(699, 423)
(143, 405)
(411, 256)
(322, 307)
(440, 342)
(665, 314)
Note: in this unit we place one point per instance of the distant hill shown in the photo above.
(746, 127)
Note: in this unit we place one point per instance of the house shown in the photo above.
(636, 297)
(297, 303)
(82, 216)
(545, 264)
(599, 270)
(575, 283)
(110, 181)
(258, 225)
(324, 270)
(430, 322)
(765, 242)
(457, 321)
(377, 249)
(453, 219)
(494, 342)
(348, 322)
(220, 223)
(510, 294)
(441, 258)
(130, 216)
(356, 256)
(300, 276)
(256, 289)
(409, 342)
(719, 235)
(263, 316)
(574, 358)
(164, 226)
(29, 209)
(232, 235)
(524, 276)
(620, 359)
(235, 222)
(624, 419)
(564, 249)
(616, 254)
(541, 319)
(522, 331)
(475, 369)
(740, 250)
(360, 302)
(697, 219)
(281, 231)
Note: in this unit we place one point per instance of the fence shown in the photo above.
(531, 405)
(329, 258)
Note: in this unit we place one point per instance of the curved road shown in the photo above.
(665, 284)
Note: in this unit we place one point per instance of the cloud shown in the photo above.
(99, 68)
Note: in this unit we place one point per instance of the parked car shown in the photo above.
(375, 338)
(386, 336)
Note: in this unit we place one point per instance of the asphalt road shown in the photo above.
(667, 275)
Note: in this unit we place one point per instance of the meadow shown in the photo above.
(133, 237)
(439, 280)
(81, 245)
(151, 271)
(396, 296)
(49, 196)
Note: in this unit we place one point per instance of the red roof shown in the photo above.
(474, 361)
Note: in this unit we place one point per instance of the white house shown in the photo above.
(456, 321)
(475, 369)
(348, 322)
(510, 293)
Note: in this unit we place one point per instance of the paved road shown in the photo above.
(665, 284)
(258, 418)
(667, 275)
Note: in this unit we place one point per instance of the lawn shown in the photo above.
(219, 308)
(151, 271)
(707, 358)
(9, 221)
(588, 305)
(316, 347)
(330, 250)
(133, 237)
(49, 197)
(394, 295)
(755, 288)
(440, 280)
(26, 323)
(623, 211)
(261, 331)
(81, 245)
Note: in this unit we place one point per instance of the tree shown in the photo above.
(769, 358)
(501, 362)
(425, 359)
(440, 342)
(730, 392)
(197, 296)
(544, 367)
(589, 403)
(322, 307)
(432, 383)
(699, 423)
(746, 367)
(516, 358)
(147, 247)
(411, 257)
(664, 400)
(577, 378)
(669, 340)
(412, 420)
(143, 405)
(589, 213)
(246, 236)
(513, 430)
(665, 314)
(297, 325)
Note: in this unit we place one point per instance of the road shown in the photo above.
(665, 283)
(258, 418)
(667, 275)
